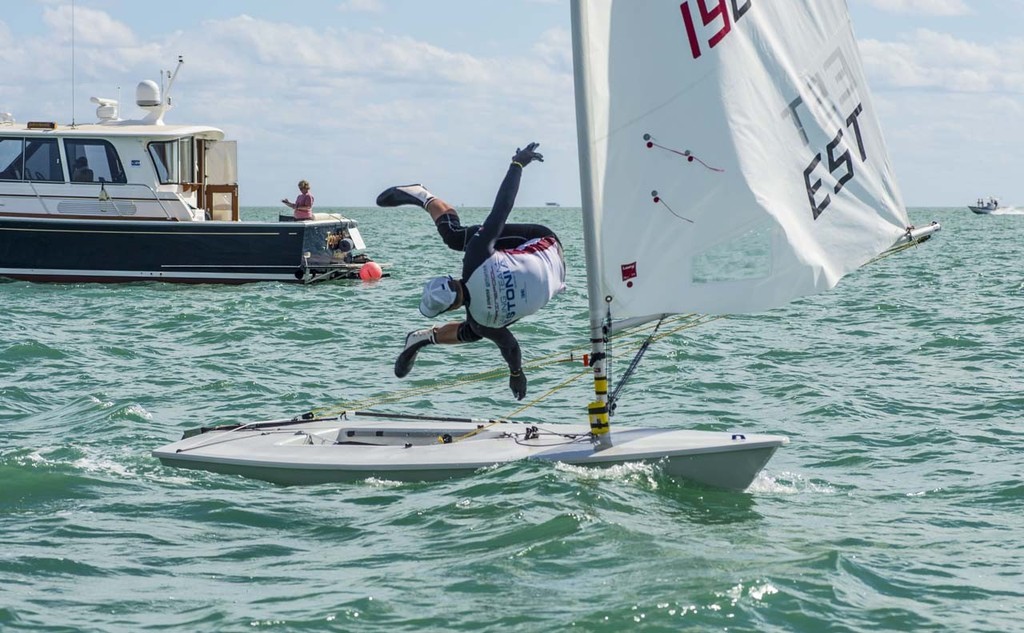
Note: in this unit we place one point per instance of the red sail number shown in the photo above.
(717, 17)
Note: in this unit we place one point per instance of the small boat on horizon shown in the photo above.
(985, 206)
(139, 200)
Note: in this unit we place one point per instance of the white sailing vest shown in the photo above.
(509, 285)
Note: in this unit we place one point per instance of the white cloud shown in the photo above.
(349, 110)
(91, 27)
(361, 6)
(938, 61)
(942, 99)
(922, 7)
(7, 47)
(555, 47)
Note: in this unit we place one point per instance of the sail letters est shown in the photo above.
(840, 164)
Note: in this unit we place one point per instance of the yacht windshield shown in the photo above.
(93, 160)
(30, 159)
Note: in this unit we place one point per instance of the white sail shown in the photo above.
(731, 157)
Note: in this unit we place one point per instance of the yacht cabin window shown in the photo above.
(174, 160)
(36, 159)
(93, 160)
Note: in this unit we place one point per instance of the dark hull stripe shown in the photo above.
(186, 252)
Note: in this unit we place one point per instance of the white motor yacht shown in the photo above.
(131, 200)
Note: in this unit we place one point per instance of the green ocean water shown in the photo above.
(896, 507)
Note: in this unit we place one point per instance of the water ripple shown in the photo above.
(892, 509)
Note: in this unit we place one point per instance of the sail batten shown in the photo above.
(730, 155)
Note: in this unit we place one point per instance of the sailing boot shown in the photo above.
(415, 195)
(414, 342)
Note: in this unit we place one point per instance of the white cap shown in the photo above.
(438, 296)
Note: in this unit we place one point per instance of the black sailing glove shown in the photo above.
(524, 156)
(517, 383)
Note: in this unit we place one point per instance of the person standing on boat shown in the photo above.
(508, 271)
(303, 206)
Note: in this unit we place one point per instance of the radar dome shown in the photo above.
(147, 94)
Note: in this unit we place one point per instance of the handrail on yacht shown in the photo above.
(148, 188)
(42, 201)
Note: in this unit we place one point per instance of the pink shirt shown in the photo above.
(304, 206)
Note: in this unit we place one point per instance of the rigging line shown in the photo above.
(230, 437)
(899, 248)
(428, 418)
(700, 320)
(562, 385)
(690, 320)
(688, 326)
(547, 394)
(632, 367)
(687, 154)
(559, 357)
(892, 251)
(408, 393)
(568, 438)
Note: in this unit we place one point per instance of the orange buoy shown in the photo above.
(370, 271)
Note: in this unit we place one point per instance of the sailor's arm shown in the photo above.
(507, 345)
(510, 351)
(505, 199)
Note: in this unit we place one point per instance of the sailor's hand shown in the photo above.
(523, 157)
(517, 383)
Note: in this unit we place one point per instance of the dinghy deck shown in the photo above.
(338, 450)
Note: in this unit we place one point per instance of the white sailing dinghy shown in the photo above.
(731, 161)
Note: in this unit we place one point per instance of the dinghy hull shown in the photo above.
(325, 451)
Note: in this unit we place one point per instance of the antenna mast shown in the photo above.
(72, 63)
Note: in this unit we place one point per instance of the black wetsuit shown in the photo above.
(479, 242)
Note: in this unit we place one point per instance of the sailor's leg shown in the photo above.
(513, 235)
(445, 218)
(414, 342)
(447, 334)
(449, 227)
(402, 195)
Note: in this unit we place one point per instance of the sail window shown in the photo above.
(748, 256)
(30, 159)
(174, 160)
(93, 160)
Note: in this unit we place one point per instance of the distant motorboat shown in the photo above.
(985, 206)
(551, 204)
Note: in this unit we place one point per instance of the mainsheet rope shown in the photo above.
(687, 321)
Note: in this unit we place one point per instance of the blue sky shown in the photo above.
(356, 95)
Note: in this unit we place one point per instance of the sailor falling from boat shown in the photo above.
(508, 271)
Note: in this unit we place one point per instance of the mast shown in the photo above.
(598, 409)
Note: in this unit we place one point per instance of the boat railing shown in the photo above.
(125, 193)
